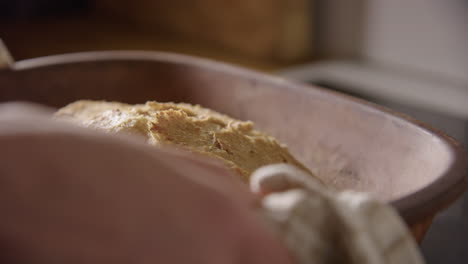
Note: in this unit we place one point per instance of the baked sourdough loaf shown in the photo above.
(190, 127)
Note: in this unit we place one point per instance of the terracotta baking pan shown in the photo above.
(348, 142)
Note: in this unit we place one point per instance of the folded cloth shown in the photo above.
(322, 226)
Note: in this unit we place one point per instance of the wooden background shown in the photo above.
(262, 34)
(269, 29)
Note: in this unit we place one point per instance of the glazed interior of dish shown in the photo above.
(355, 145)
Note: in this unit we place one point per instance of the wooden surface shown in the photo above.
(49, 37)
(278, 29)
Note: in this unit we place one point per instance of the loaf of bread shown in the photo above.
(190, 127)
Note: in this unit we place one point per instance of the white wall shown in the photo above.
(426, 35)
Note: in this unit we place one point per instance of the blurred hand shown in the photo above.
(72, 195)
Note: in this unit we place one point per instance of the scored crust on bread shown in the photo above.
(190, 127)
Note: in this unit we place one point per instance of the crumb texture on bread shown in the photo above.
(191, 127)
